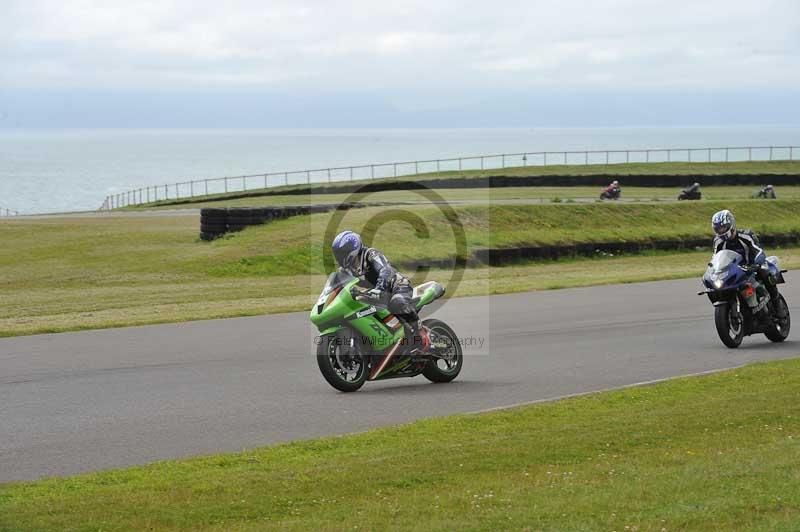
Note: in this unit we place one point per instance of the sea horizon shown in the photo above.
(66, 169)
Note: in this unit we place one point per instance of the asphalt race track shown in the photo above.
(93, 400)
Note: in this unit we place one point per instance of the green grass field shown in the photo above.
(717, 452)
(86, 273)
(693, 171)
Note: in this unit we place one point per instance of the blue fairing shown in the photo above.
(725, 272)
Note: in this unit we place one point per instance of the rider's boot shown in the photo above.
(417, 337)
(772, 289)
(780, 309)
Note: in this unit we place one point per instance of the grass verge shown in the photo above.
(62, 274)
(145, 300)
(717, 452)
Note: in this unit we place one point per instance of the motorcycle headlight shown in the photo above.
(718, 283)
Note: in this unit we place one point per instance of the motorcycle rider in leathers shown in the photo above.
(361, 261)
(745, 243)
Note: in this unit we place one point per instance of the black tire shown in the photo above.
(243, 216)
(213, 226)
(326, 355)
(780, 332)
(214, 212)
(214, 215)
(213, 221)
(246, 221)
(433, 372)
(728, 332)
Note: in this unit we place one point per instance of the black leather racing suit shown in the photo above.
(746, 244)
(377, 270)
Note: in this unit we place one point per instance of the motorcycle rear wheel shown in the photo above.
(444, 368)
(730, 324)
(780, 332)
(340, 362)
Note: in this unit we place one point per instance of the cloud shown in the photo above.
(412, 45)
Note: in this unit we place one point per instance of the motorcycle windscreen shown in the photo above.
(722, 260)
(335, 280)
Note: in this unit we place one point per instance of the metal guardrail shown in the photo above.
(222, 185)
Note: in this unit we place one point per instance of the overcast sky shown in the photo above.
(325, 63)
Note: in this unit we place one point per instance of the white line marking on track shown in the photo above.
(601, 390)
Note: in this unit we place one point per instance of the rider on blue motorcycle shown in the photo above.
(745, 243)
(360, 261)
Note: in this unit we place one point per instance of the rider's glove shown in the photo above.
(375, 294)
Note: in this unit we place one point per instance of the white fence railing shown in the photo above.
(5, 212)
(222, 185)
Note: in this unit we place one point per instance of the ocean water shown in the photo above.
(67, 170)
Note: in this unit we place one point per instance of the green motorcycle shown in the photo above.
(361, 340)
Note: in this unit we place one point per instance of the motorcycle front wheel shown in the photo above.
(447, 359)
(341, 363)
(730, 324)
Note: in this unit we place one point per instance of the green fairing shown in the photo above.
(341, 306)
(372, 332)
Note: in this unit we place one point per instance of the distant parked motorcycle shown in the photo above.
(691, 193)
(611, 192)
(361, 340)
(742, 305)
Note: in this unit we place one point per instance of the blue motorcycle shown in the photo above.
(742, 304)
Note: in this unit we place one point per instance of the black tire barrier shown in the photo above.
(213, 229)
(215, 222)
(503, 256)
(506, 256)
